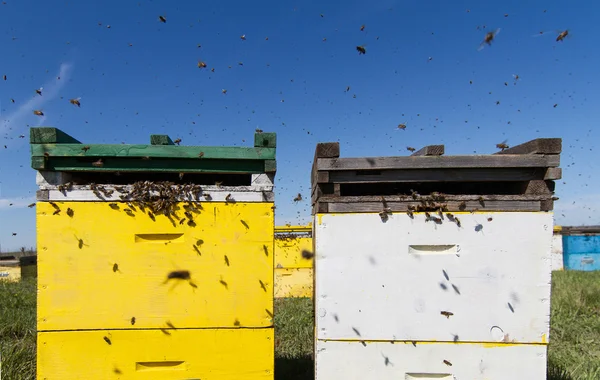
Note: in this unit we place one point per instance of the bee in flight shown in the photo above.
(39, 91)
(562, 35)
(361, 49)
(38, 113)
(162, 18)
(489, 37)
(75, 102)
(502, 145)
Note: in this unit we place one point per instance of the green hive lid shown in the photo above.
(54, 150)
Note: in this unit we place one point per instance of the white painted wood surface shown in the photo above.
(403, 361)
(218, 195)
(557, 252)
(50, 180)
(493, 276)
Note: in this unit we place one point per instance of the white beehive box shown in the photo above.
(433, 286)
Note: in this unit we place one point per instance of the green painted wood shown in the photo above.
(48, 135)
(161, 140)
(270, 166)
(164, 165)
(265, 140)
(153, 151)
(38, 163)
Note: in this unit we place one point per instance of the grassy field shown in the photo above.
(574, 352)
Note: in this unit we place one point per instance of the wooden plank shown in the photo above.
(157, 354)
(161, 140)
(430, 150)
(452, 206)
(270, 166)
(83, 195)
(432, 162)
(265, 140)
(434, 175)
(165, 165)
(447, 197)
(580, 230)
(553, 173)
(153, 151)
(323, 150)
(540, 187)
(327, 150)
(425, 361)
(537, 146)
(47, 135)
(38, 163)
(411, 270)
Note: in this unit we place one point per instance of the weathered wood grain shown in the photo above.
(152, 151)
(553, 173)
(47, 135)
(327, 150)
(265, 140)
(446, 197)
(161, 140)
(436, 175)
(430, 150)
(580, 230)
(452, 206)
(432, 162)
(537, 146)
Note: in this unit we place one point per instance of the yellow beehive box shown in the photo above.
(107, 273)
(157, 261)
(293, 261)
(223, 354)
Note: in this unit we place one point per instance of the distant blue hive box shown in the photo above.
(581, 248)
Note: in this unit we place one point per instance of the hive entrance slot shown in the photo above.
(428, 376)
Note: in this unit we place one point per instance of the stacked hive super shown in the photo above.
(155, 261)
(432, 266)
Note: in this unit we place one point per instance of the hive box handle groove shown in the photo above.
(428, 376)
(158, 366)
(447, 249)
(158, 238)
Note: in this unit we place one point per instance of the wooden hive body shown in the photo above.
(158, 280)
(433, 267)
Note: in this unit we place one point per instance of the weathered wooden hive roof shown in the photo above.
(520, 178)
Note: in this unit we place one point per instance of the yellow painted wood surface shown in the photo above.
(293, 273)
(207, 354)
(293, 282)
(288, 252)
(10, 273)
(103, 266)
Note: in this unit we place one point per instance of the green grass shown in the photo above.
(574, 351)
(575, 326)
(17, 329)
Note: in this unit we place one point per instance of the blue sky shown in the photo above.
(140, 77)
